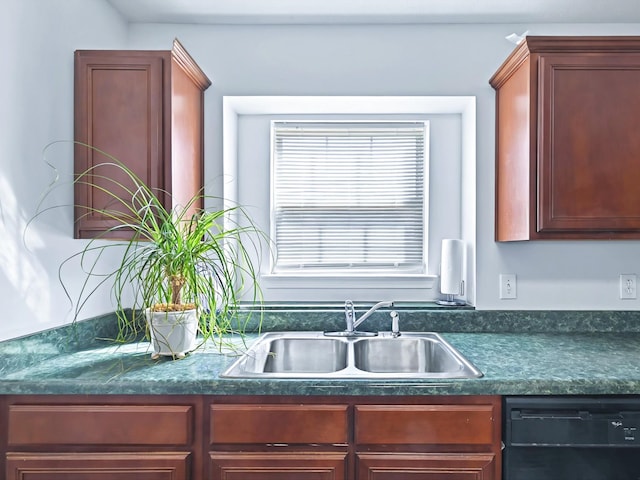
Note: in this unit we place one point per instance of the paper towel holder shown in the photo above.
(451, 272)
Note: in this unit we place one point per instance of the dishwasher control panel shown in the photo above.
(563, 423)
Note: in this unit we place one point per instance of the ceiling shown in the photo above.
(378, 11)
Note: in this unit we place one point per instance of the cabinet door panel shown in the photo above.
(425, 424)
(100, 425)
(589, 172)
(426, 467)
(295, 424)
(119, 110)
(94, 466)
(278, 466)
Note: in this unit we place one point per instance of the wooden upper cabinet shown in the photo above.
(567, 147)
(146, 109)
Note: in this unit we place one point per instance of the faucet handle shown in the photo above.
(350, 315)
(395, 324)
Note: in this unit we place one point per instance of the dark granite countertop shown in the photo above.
(581, 356)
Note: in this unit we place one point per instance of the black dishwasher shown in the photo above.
(571, 438)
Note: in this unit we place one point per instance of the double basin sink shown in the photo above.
(419, 355)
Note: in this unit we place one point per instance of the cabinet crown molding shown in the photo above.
(189, 65)
(562, 44)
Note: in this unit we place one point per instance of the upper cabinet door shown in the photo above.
(566, 144)
(119, 111)
(589, 147)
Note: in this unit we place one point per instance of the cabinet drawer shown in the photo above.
(279, 424)
(425, 424)
(100, 425)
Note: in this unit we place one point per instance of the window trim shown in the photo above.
(234, 106)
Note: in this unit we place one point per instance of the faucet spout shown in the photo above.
(352, 322)
(368, 313)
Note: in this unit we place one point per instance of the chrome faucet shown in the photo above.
(350, 315)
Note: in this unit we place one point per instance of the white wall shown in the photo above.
(38, 38)
(36, 94)
(410, 60)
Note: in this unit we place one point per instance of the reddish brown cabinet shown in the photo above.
(359, 438)
(275, 441)
(194, 437)
(98, 437)
(146, 109)
(566, 143)
(439, 439)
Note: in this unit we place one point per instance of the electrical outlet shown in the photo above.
(508, 285)
(628, 286)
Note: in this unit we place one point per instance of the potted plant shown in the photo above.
(184, 270)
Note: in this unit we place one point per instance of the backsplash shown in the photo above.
(99, 331)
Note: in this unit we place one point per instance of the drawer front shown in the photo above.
(100, 425)
(290, 424)
(425, 424)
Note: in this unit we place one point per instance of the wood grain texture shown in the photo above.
(425, 424)
(280, 424)
(99, 425)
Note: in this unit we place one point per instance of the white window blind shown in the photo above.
(349, 197)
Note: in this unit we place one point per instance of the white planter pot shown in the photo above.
(172, 333)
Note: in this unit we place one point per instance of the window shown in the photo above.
(349, 197)
(449, 200)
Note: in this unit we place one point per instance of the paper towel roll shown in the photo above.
(451, 266)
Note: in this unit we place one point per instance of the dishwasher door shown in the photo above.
(571, 438)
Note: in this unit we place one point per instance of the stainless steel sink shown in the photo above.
(314, 355)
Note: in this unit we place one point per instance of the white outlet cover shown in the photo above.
(508, 286)
(628, 286)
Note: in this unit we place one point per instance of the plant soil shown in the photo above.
(172, 307)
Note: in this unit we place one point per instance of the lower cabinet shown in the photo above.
(267, 441)
(457, 440)
(195, 437)
(100, 438)
(356, 438)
